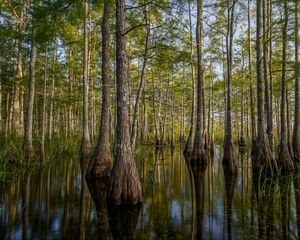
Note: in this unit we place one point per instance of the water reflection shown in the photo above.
(180, 202)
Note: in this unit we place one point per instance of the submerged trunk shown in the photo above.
(229, 157)
(31, 93)
(125, 185)
(199, 155)
(101, 161)
(296, 134)
(85, 143)
(284, 158)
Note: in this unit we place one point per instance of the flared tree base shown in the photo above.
(125, 185)
(296, 149)
(229, 160)
(99, 166)
(285, 162)
(263, 157)
(199, 155)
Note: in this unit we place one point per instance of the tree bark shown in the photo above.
(229, 157)
(100, 164)
(86, 142)
(190, 141)
(253, 125)
(199, 155)
(125, 187)
(262, 155)
(51, 112)
(265, 65)
(43, 127)
(296, 133)
(284, 158)
(270, 129)
(31, 94)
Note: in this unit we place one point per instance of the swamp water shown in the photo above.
(179, 202)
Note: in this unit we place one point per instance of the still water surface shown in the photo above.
(180, 202)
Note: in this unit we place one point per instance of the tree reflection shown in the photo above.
(98, 189)
(197, 177)
(230, 186)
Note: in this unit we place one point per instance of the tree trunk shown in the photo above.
(51, 117)
(265, 64)
(141, 83)
(242, 140)
(270, 129)
(190, 141)
(263, 157)
(43, 127)
(100, 164)
(229, 157)
(253, 125)
(284, 158)
(296, 134)
(290, 147)
(31, 94)
(145, 131)
(125, 186)
(85, 143)
(199, 155)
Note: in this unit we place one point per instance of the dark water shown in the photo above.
(180, 202)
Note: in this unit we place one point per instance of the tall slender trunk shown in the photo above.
(263, 157)
(296, 133)
(190, 141)
(43, 127)
(16, 107)
(265, 65)
(51, 112)
(125, 185)
(101, 161)
(270, 129)
(229, 157)
(141, 83)
(31, 94)
(145, 131)
(86, 142)
(253, 125)
(242, 140)
(284, 158)
(288, 124)
(199, 154)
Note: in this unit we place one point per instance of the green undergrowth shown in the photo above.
(13, 158)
